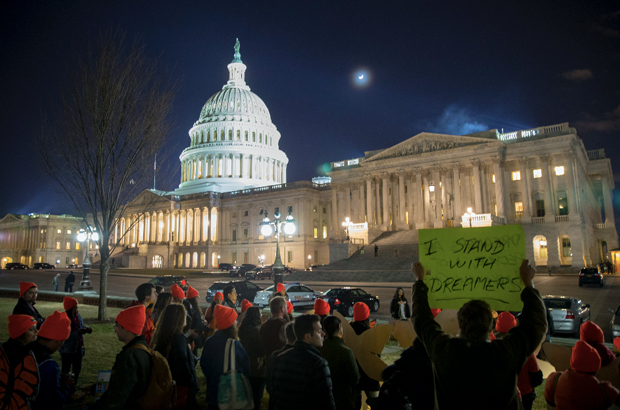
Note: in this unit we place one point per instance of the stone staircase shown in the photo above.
(396, 251)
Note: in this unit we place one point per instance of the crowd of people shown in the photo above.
(303, 362)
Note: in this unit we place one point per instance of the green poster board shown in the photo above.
(462, 264)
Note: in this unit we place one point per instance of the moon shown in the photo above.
(361, 76)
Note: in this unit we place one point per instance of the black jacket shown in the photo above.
(395, 307)
(70, 279)
(130, 378)
(301, 380)
(344, 372)
(181, 362)
(490, 368)
(23, 308)
(53, 394)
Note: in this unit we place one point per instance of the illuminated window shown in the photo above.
(68, 231)
(57, 244)
(559, 171)
(543, 249)
(77, 246)
(41, 230)
(290, 256)
(58, 231)
(407, 217)
(537, 173)
(495, 209)
(516, 175)
(519, 209)
(68, 245)
(566, 247)
(493, 178)
(324, 231)
(316, 232)
(261, 237)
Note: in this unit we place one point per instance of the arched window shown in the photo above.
(253, 136)
(222, 136)
(238, 135)
(260, 138)
(158, 261)
(229, 135)
(246, 135)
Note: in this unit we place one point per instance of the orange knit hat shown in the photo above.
(132, 319)
(18, 324)
(24, 286)
(177, 292)
(505, 322)
(192, 293)
(224, 316)
(57, 326)
(360, 311)
(617, 343)
(218, 296)
(289, 308)
(280, 287)
(68, 302)
(585, 358)
(245, 305)
(321, 307)
(591, 332)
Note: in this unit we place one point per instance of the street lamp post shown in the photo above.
(86, 235)
(469, 214)
(267, 227)
(347, 223)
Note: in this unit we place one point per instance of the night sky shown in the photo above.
(450, 67)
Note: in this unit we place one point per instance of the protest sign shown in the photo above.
(473, 263)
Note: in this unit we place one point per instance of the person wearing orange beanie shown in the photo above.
(213, 352)
(505, 322)
(578, 388)
(218, 299)
(592, 334)
(54, 389)
(245, 305)
(360, 324)
(22, 331)
(72, 351)
(132, 370)
(197, 324)
(28, 292)
(177, 293)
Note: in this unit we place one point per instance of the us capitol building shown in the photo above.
(233, 173)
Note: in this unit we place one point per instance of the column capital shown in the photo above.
(569, 154)
(545, 157)
(385, 175)
(425, 173)
(523, 160)
(456, 166)
(498, 160)
(401, 173)
(476, 162)
(368, 177)
(417, 170)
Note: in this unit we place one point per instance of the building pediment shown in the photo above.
(147, 198)
(10, 218)
(427, 142)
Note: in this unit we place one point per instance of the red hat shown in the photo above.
(435, 312)
(18, 324)
(132, 319)
(57, 326)
(505, 322)
(585, 358)
(616, 342)
(218, 295)
(177, 292)
(591, 332)
(289, 308)
(192, 293)
(280, 287)
(245, 305)
(69, 302)
(224, 316)
(24, 286)
(321, 307)
(360, 311)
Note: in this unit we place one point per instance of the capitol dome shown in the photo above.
(233, 145)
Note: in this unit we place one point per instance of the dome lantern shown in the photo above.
(236, 69)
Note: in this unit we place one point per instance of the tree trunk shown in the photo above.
(103, 280)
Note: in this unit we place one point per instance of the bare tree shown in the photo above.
(99, 148)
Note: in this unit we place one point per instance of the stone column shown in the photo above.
(361, 202)
(477, 185)
(209, 238)
(347, 199)
(572, 189)
(334, 208)
(549, 205)
(216, 166)
(607, 203)
(427, 198)
(204, 166)
(438, 222)
(500, 191)
(166, 230)
(526, 191)
(401, 199)
(284, 175)
(386, 216)
(458, 211)
(369, 208)
(234, 170)
(378, 201)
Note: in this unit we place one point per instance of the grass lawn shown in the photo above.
(102, 346)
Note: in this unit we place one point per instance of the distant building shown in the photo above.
(233, 174)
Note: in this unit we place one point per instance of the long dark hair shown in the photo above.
(231, 332)
(163, 300)
(331, 325)
(195, 305)
(251, 319)
(396, 296)
(170, 325)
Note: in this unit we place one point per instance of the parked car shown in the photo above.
(615, 323)
(74, 266)
(259, 273)
(168, 280)
(343, 299)
(239, 271)
(567, 313)
(591, 276)
(11, 266)
(299, 295)
(225, 266)
(245, 290)
(43, 265)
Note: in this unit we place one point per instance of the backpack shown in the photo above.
(161, 393)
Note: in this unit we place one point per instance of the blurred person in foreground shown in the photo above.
(470, 371)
